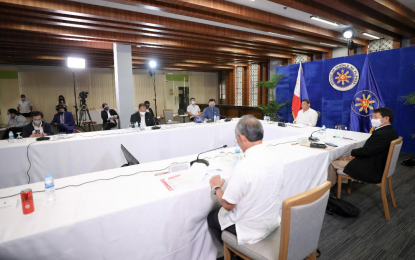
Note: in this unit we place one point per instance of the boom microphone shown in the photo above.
(203, 160)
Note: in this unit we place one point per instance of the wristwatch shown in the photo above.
(214, 189)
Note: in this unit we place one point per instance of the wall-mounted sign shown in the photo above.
(343, 76)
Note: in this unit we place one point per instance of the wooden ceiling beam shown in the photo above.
(372, 16)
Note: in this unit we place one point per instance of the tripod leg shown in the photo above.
(90, 119)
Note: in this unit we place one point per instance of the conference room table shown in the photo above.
(101, 150)
(136, 216)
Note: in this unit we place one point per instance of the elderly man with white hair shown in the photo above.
(251, 200)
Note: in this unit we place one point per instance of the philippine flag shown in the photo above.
(300, 92)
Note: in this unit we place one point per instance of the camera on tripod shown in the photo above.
(83, 96)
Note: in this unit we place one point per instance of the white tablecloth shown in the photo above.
(136, 217)
(101, 150)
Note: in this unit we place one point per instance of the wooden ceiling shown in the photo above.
(45, 32)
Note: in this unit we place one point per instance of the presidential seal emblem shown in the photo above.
(343, 76)
(365, 102)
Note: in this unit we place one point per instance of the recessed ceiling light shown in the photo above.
(371, 35)
(332, 45)
(323, 20)
(282, 35)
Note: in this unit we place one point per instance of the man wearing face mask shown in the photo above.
(109, 117)
(368, 162)
(63, 120)
(148, 108)
(24, 106)
(210, 112)
(142, 116)
(193, 110)
(16, 123)
(38, 127)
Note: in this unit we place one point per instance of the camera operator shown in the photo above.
(109, 117)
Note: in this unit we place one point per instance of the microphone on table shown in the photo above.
(203, 160)
(313, 138)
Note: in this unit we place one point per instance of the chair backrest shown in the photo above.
(301, 222)
(318, 115)
(394, 150)
(168, 115)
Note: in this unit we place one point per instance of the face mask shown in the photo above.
(37, 122)
(142, 113)
(60, 113)
(375, 122)
(193, 102)
(147, 106)
(23, 99)
(211, 106)
(107, 108)
(9, 116)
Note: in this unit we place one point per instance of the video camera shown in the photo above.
(82, 96)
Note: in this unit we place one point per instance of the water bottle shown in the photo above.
(345, 132)
(323, 132)
(49, 188)
(136, 126)
(11, 137)
(238, 153)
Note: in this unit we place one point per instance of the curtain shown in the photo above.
(43, 85)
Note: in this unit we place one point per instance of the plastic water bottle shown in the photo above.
(345, 132)
(323, 132)
(136, 126)
(49, 188)
(11, 137)
(238, 153)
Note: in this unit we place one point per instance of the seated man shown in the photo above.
(142, 114)
(16, 123)
(210, 112)
(251, 201)
(148, 108)
(368, 162)
(307, 115)
(64, 120)
(193, 110)
(109, 117)
(38, 127)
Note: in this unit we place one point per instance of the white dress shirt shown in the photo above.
(40, 128)
(143, 120)
(308, 117)
(194, 109)
(254, 187)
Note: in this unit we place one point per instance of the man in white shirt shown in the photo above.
(24, 106)
(251, 200)
(307, 115)
(193, 110)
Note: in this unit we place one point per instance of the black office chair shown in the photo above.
(319, 115)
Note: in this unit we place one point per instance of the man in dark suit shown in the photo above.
(368, 162)
(63, 120)
(38, 127)
(142, 114)
(109, 117)
(148, 108)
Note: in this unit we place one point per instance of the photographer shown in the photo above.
(38, 127)
(109, 117)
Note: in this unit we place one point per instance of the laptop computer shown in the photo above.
(131, 160)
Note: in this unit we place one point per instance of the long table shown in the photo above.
(137, 217)
(101, 150)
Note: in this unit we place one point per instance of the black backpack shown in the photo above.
(341, 207)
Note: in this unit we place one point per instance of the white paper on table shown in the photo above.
(196, 173)
(297, 125)
(222, 173)
(8, 203)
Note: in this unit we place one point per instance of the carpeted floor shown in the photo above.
(370, 236)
